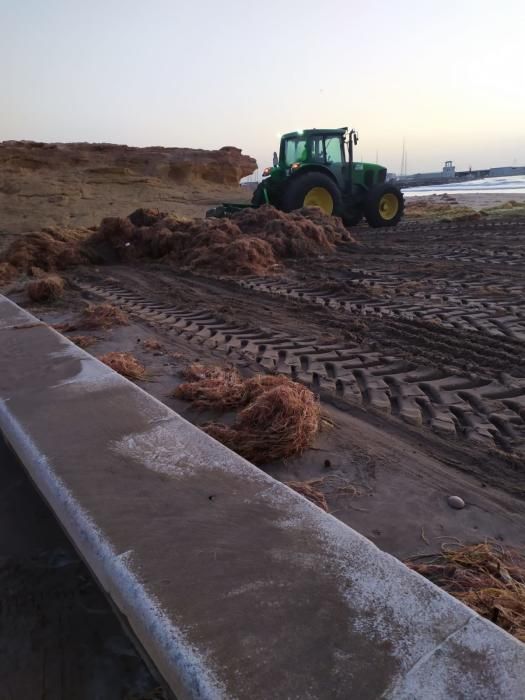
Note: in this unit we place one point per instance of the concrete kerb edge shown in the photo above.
(166, 645)
(110, 568)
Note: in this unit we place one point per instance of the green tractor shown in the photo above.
(316, 168)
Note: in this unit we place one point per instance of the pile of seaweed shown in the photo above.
(276, 417)
(487, 577)
(253, 242)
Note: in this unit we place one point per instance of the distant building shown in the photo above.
(449, 170)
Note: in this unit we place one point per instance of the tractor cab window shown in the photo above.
(295, 151)
(317, 146)
(334, 150)
(327, 150)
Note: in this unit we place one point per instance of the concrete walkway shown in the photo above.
(236, 586)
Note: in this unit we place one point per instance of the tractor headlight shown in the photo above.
(296, 166)
(266, 172)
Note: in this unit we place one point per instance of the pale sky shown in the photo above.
(447, 75)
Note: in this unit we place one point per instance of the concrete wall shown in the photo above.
(236, 586)
(505, 171)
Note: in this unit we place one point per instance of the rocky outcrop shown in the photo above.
(76, 184)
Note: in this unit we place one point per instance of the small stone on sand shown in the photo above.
(456, 502)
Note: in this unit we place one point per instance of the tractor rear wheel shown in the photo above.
(313, 189)
(258, 198)
(384, 206)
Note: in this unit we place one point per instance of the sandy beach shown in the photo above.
(483, 200)
(475, 200)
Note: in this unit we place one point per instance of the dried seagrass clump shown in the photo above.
(125, 364)
(277, 418)
(47, 288)
(486, 577)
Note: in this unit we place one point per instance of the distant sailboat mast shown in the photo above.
(404, 160)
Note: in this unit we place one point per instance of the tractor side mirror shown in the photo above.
(356, 139)
(275, 159)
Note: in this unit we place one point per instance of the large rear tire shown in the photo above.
(384, 206)
(313, 189)
(258, 198)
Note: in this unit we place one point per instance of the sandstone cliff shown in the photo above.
(76, 184)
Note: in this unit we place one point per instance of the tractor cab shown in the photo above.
(328, 150)
(324, 148)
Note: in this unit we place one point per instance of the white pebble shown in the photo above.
(456, 502)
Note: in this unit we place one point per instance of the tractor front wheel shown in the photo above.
(313, 189)
(384, 206)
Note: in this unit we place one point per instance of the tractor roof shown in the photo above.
(291, 134)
